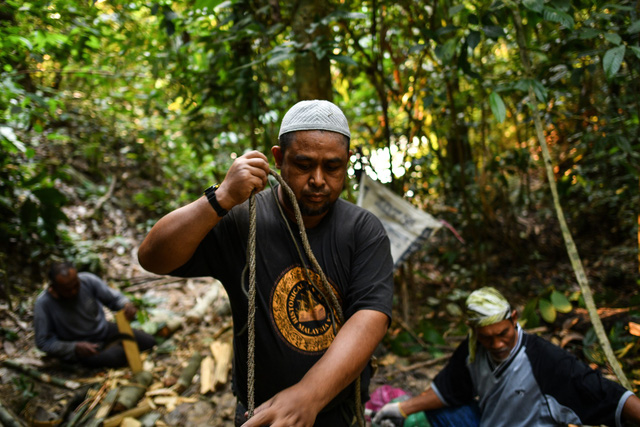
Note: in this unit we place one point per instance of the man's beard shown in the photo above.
(307, 211)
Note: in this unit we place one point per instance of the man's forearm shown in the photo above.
(426, 401)
(56, 348)
(347, 356)
(345, 359)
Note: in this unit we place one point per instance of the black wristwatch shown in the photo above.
(211, 197)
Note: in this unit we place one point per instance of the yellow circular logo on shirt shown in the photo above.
(300, 311)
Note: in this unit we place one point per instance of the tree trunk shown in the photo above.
(312, 73)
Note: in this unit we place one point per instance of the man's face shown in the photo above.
(67, 285)
(315, 167)
(500, 338)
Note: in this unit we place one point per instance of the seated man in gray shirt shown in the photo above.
(503, 376)
(70, 322)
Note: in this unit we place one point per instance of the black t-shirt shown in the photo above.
(293, 325)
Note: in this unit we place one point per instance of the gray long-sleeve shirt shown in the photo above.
(60, 323)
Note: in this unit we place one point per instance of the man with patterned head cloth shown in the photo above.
(502, 376)
(306, 358)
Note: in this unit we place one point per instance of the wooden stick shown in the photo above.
(104, 409)
(104, 197)
(206, 375)
(222, 353)
(131, 394)
(205, 303)
(78, 414)
(87, 405)
(131, 349)
(411, 332)
(139, 410)
(7, 418)
(424, 363)
(46, 378)
(187, 374)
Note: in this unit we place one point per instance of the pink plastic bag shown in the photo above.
(383, 395)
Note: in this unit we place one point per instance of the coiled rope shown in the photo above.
(251, 294)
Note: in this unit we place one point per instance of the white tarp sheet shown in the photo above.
(407, 226)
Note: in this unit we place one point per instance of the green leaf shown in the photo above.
(612, 60)
(634, 28)
(57, 137)
(613, 38)
(547, 310)
(535, 5)
(539, 90)
(22, 40)
(279, 57)
(344, 59)
(7, 133)
(50, 196)
(405, 345)
(588, 33)
(529, 317)
(454, 10)
(497, 106)
(473, 39)
(209, 4)
(563, 5)
(560, 302)
(554, 15)
(635, 50)
(446, 51)
(417, 48)
(342, 14)
(493, 31)
(430, 334)
(454, 310)
(28, 213)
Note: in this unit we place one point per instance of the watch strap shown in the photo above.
(211, 197)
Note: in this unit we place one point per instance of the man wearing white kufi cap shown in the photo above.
(312, 343)
(502, 376)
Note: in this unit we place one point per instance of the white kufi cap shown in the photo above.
(315, 115)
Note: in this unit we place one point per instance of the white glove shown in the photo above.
(391, 412)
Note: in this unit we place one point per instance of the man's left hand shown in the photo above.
(130, 311)
(289, 408)
(390, 414)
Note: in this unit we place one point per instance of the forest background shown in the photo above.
(114, 113)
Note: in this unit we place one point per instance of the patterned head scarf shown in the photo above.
(484, 307)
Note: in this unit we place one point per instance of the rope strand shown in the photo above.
(251, 321)
(251, 261)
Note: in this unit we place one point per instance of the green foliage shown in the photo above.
(24, 385)
(547, 310)
(612, 60)
(404, 344)
(143, 305)
(163, 96)
(497, 106)
(9, 334)
(546, 305)
(621, 342)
